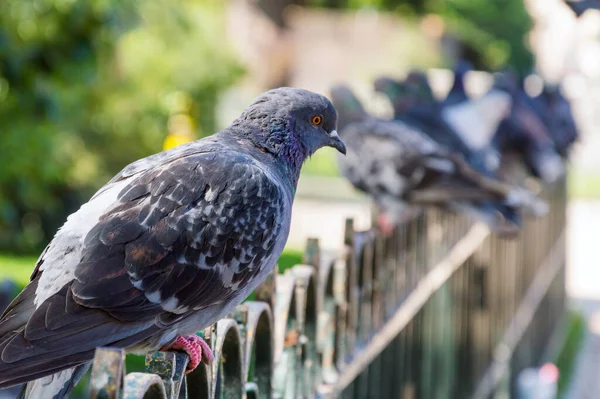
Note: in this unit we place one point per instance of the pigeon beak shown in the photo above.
(336, 142)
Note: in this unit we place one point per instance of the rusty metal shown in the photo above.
(287, 349)
(108, 369)
(170, 367)
(440, 308)
(256, 329)
(143, 385)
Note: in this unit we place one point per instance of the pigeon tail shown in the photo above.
(54, 386)
(552, 167)
(524, 199)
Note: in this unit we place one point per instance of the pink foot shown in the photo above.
(196, 348)
(385, 225)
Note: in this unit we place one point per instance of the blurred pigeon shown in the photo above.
(170, 245)
(415, 104)
(579, 7)
(458, 93)
(555, 111)
(465, 128)
(523, 132)
(475, 120)
(401, 168)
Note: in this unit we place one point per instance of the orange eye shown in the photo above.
(317, 120)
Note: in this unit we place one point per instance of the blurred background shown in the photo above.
(88, 86)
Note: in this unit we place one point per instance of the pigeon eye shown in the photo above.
(317, 120)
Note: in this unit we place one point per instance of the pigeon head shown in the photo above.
(348, 106)
(291, 124)
(419, 84)
(399, 93)
(390, 87)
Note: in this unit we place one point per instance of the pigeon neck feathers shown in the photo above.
(289, 125)
(273, 136)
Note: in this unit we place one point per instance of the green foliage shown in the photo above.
(16, 268)
(495, 29)
(584, 184)
(86, 87)
(289, 258)
(565, 361)
(322, 163)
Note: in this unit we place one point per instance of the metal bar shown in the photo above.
(535, 294)
(414, 302)
(107, 373)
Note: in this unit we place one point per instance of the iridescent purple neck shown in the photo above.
(275, 136)
(293, 154)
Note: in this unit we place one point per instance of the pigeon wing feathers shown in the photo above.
(181, 236)
(378, 151)
(415, 158)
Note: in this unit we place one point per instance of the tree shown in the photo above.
(86, 86)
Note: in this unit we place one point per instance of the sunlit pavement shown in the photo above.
(583, 272)
(583, 287)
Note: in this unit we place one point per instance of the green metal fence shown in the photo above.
(442, 309)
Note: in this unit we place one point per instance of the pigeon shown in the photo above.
(555, 111)
(473, 124)
(524, 134)
(459, 123)
(414, 103)
(403, 169)
(167, 247)
(579, 7)
(457, 93)
(475, 120)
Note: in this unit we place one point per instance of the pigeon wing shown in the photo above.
(392, 158)
(181, 237)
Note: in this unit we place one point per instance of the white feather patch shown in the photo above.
(64, 251)
(476, 121)
(48, 386)
(210, 195)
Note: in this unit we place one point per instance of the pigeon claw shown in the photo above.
(196, 348)
(385, 224)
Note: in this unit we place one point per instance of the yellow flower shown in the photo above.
(173, 140)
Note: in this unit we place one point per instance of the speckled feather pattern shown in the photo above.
(167, 247)
(391, 159)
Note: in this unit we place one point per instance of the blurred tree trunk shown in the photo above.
(275, 9)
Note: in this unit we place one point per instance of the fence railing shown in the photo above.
(439, 309)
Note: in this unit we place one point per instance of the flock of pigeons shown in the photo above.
(466, 155)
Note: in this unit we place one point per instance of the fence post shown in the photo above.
(107, 373)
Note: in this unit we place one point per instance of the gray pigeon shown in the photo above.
(403, 169)
(167, 247)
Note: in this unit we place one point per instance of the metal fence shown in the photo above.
(442, 309)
